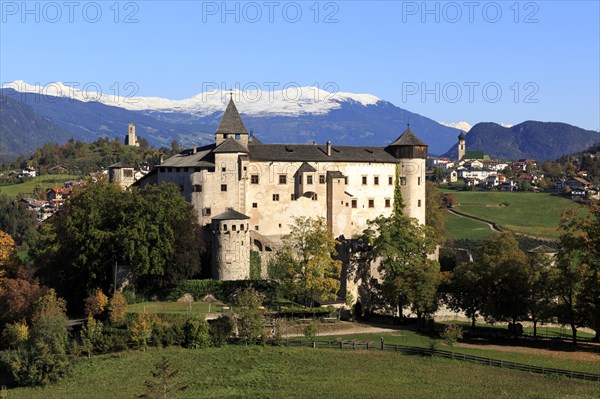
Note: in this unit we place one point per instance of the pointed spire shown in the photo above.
(231, 122)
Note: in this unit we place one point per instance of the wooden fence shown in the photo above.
(412, 350)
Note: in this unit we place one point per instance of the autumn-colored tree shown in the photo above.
(305, 264)
(18, 297)
(7, 248)
(95, 303)
(141, 330)
(117, 308)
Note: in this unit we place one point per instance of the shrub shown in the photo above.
(196, 333)
(117, 308)
(141, 330)
(168, 335)
(96, 303)
(15, 334)
(91, 335)
(311, 330)
(452, 334)
(38, 364)
(220, 330)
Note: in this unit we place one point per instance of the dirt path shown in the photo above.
(464, 215)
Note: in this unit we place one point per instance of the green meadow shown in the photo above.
(44, 182)
(534, 214)
(280, 372)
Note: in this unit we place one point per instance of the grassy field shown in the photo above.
(277, 372)
(460, 227)
(26, 189)
(175, 307)
(543, 358)
(535, 214)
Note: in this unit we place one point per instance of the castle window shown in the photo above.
(197, 188)
(254, 205)
(181, 188)
(224, 227)
(242, 227)
(391, 180)
(225, 136)
(275, 197)
(371, 203)
(419, 180)
(419, 203)
(224, 169)
(256, 227)
(233, 227)
(282, 179)
(354, 203)
(309, 179)
(176, 169)
(292, 197)
(376, 180)
(206, 212)
(185, 170)
(364, 180)
(346, 180)
(223, 187)
(279, 225)
(162, 170)
(237, 136)
(314, 197)
(169, 170)
(253, 179)
(197, 169)
(128, 173)
(403, 181)
(388, 203)
(321, 179)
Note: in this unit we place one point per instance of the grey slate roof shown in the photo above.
(231, 122)
(318, 153)
(118, 165)
(306, 168)
(253, 139)
(231, 214)
(204, 157)
(230, 145)
(408, 138)
(336, 174)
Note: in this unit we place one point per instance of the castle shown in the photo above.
(248, 192)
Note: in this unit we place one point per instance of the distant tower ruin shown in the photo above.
(130, 139)
(462, 145)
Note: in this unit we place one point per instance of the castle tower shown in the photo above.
(462, 145)
(411, 153)
(131, 139)
(231, 126)
(231, 246)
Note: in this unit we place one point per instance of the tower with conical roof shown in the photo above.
(231, 126)
(462, 145)
(411, 153)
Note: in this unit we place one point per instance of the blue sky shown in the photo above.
(451, 61)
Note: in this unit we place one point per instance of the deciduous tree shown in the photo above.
(305, 263)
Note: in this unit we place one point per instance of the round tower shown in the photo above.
(230, 246)
(411, 153)
(462, 145)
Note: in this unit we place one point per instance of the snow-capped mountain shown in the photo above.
(293, 101)
(464, 126)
